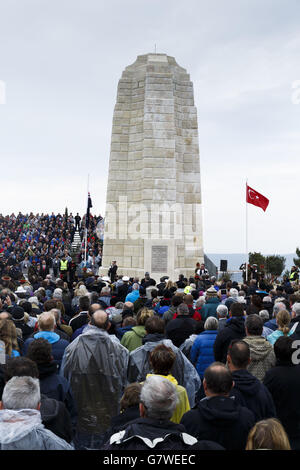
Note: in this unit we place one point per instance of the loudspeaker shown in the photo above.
(223, 265)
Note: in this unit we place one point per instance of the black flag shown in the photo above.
(89, 205)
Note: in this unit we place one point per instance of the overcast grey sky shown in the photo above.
(61, 61)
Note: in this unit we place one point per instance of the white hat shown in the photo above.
(33, 300)
(21, 290)
(105, 278)
(125, 278)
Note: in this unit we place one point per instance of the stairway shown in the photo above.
(76, 243)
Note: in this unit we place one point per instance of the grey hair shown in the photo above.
(222, 311)
(201, 301)
(264, 314)
(105, 290)
(135, 286)
(55, 312)
(21, 393)
(119, 305)
(277, 307)
(211, 323)
(183, 309)
(296, 308)
(159, 397)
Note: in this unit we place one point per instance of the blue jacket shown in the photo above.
(209, 309)
(58, 345)
(202, 352)
(132, 296)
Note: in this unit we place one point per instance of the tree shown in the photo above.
(275, 264)
(297, 260)
(257, 258)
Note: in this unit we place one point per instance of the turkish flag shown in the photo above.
(255, 198)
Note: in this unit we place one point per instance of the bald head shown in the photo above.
(46, 321)
(100, 320)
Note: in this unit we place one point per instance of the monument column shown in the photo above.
(153, 206)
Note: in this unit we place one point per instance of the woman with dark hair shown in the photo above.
(255, 306)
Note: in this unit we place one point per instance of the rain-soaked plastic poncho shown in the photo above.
(95, 364)
(23, 430)
(183, 370)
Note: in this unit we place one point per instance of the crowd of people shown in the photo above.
(33, 245)
(119, 363)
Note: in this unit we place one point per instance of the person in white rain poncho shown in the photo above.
(21, 426)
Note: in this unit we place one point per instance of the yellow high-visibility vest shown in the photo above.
(63, 265)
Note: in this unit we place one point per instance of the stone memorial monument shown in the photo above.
(153, 206)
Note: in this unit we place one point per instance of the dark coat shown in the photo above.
(179, 329)
(209, 309)
(250, 392)
(234, 329)
(283, 382)
(138, 433)
(56, 418)
(55, 386)
(220, 419)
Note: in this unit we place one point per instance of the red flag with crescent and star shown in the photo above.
(255, 198)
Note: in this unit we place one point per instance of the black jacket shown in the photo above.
(250, 392)
(56, 418)
(234, 329)
(283, 382)
(138, 433)
(179, 329)
(222, 420)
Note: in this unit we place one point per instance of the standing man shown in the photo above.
(77, 221)
(113, 271)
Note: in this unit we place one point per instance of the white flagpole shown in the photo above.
(85, 240)
(247, 256)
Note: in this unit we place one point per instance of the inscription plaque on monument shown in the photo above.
(159, 259)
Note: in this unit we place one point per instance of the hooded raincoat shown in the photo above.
(95, 364)
(23, 430)
(183, 370)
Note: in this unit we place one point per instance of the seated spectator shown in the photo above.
(21, 426)
(127, 325)
(105, 296)
(134, 294)
(179, 329)
(261, 352)
(139, 359)
(268, 434)
(46, 323)
(153, 430)
(54, 414)
(264, 315)
(283, 382)
(20, 321)
(187, 345)
(255, 305)
(248, 390)
(133, 339)
(175, 302)
(8, 335)
(234, 329)
(283, 321)
(52, 384)
(129, 409)
(211, 303)
(222, 313)
(202, 352)
(81, 318)
(161, 361)
(232, 297)
(277, 307)
(218, 417)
